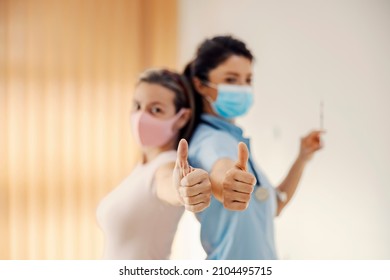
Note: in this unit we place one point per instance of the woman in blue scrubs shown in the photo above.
(239, 223)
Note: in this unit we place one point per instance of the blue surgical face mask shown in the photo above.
(232, 100)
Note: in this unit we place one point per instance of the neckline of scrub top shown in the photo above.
(224, 125)
(237, 132)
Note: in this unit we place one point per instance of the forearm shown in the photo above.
(290, 183)
(166, 189)
(167, 192)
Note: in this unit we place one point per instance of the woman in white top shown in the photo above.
(139, 218)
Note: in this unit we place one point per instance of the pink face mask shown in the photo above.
(153, 132)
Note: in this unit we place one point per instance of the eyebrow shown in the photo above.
(236, 74)
(158, 103)
(151, 104)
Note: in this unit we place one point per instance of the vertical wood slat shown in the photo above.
(5, 248)
(35, 198)
(67, 75)
(17, 131)
(163, 28)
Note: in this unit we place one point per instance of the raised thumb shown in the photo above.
(182, 156)
(243, 156)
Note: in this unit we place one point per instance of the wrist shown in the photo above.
(302, 160)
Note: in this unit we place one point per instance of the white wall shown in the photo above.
(307, 51)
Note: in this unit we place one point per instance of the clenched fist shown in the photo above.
(238, 183)
(193, 184)
(310, 144)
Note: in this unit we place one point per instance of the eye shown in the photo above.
(249, 81)
(156, 110)
(136, 106)
(231, 80)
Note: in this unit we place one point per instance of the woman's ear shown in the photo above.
(205, 90)
(200, 86)
(183, 119)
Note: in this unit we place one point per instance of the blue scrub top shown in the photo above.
(225, 234)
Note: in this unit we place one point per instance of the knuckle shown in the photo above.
(189, 178)
(184, 181)
(204, 178)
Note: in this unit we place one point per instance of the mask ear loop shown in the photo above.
(181, 112)
(208, 98)
(178, 115)
(210, 85)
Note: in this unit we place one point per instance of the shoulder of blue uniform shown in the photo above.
(209, 144)
(210, 134)
(207, 126)
(205, 138)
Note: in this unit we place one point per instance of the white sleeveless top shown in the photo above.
(136, 223)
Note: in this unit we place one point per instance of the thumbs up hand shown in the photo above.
(192, 184)
(238, 183)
